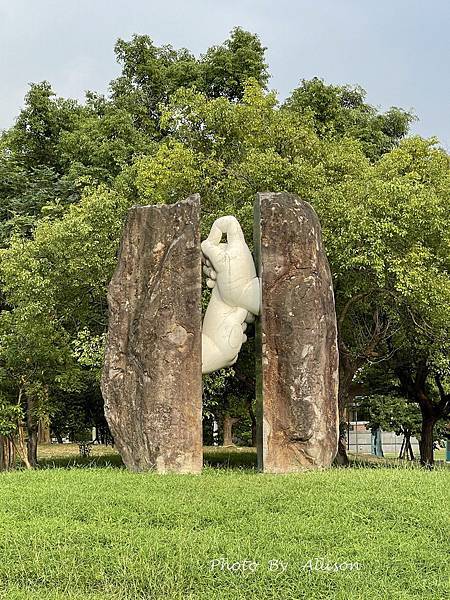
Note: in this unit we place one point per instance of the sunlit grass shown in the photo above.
(105, 533)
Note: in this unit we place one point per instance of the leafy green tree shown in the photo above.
(35, 134)
(389, 257)
(53, 284)
(55, 149)
(225, 69)
(34, 356)
(11, 416)
(383, 203)
(103, 142)
(343, 111)
(151, 74)
(392, 413)
(23, 195)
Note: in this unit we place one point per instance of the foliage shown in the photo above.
(392, 414)
(176, 124)
(151, 74)
(53, 283)
(10, 417)
(342, 111)
(214, 386)
(35, 134)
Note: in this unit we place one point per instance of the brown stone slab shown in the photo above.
(151, 380)
(297, 368)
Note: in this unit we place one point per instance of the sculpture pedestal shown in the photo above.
(297, 367)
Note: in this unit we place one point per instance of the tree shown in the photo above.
(102, 143)
(151, 74)
(403, 243)
(393, 413)
(10, 418)
(434, 403)
(382, 201)
(342, 111)
(225, 69)
(35, 134)
(44, 351)
(34, 357)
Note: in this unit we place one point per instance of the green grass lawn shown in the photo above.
(104, 533)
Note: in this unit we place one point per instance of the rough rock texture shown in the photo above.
(152, 382)
(297, 374)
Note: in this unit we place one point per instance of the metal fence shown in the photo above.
(359, 440)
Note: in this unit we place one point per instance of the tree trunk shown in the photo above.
(32, 444)
(402, 448)
(341, 458)
(415, 388)
(426, 441)
(44, 433)
(228, 423)
(7, 453)
(345, 380)
(409, 450)
(252, 415)
(58, 436)
(20, 446)
(346, 374)
(32, 431)
(215, 431)
(377, 446)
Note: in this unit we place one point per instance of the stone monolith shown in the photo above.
(151, 380)
(297, 368)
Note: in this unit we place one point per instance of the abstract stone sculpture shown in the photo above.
(235, 296)
(151, 380)
(157, 347)
(297, 367)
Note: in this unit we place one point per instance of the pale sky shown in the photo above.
(398, 50)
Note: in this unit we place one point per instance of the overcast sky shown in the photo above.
(398, 50)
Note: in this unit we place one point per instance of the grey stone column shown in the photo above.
(297, 368)
(152, 380)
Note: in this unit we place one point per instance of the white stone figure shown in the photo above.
(235, 296)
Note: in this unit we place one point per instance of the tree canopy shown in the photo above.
(174, 124)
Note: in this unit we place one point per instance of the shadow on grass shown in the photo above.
(230, 458)
(368, 461)
(220, 458)
(87, 462)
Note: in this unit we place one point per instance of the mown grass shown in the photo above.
(105, 533)
(67, 455)
(231, 457)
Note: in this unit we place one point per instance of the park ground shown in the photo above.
(88, 529)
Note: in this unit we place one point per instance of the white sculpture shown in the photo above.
(235, 296)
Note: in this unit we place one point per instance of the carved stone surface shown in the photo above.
(297, 374)
(151, 381)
